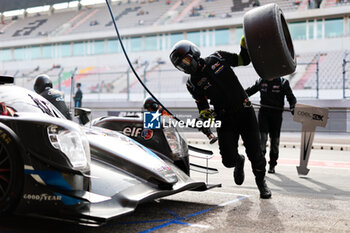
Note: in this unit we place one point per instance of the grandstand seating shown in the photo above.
(139, 13)
(136, 14)
(161, 79)
(308, 62)
(286, 6)
(146, 13)
(330, 72)
(212, 9)
(164, 78)
(98, 19)
(334, 3)
(34, 26)
(227, 9)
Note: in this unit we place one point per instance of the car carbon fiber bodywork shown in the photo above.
(51, 167)
(166, 140)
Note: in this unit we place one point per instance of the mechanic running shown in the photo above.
(212, 78)
(272, 94)
(43, 86)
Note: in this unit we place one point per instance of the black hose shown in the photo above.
(132, 67)
(271, 107)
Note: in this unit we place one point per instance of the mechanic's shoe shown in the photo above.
(238, 173)
(228, 163)
(265, 192)
(271, 169)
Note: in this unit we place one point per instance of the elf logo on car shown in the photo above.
(147, 134)
(41, 197)
(162, 168)
(132, 132)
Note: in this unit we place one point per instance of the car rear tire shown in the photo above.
(11, 173)
(268, 41)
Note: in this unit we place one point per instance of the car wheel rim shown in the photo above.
(5, 172)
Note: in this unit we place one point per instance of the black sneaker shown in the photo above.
(271, 169)
(265, 192)
(238, 173)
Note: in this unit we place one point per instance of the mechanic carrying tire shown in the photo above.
(43, 86)
(212, 78)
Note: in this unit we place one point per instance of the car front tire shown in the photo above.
(11, 173)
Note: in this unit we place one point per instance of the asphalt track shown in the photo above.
(319, 202)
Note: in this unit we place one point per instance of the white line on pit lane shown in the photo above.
(200, 226)
(240, 198)
(312, 166)
(235, 194)
(233, 201)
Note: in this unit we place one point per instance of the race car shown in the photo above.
(51, 167)
(167, 140)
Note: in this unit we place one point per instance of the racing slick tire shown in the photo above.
(11, 172)
(268, 41)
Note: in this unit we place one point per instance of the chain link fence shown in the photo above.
(318, 76)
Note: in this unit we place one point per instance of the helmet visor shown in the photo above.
(186, 65)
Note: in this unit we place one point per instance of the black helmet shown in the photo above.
(150, 104)
(41, 82)
(184, 56)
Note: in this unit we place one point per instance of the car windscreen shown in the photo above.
(23, 100)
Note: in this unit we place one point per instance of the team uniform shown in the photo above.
(43, 86)
(272, 93)
(212, 81)
(216, 81)
(55, 97)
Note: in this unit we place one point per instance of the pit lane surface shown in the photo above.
(319, 202)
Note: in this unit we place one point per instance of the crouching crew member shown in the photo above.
(43, 86)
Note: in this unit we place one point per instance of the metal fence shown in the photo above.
(318, 75)
(346, 75)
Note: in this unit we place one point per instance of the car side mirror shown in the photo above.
(6, 79)
(82, 114)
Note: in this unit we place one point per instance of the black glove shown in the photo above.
(292, 110)
(209, 134)
(206, 114)
(206, 130)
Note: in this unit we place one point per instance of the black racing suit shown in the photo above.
(55, 97)
(216, 81)
(272, 94)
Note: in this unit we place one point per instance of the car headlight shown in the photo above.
(174, 141)
(74, 144)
